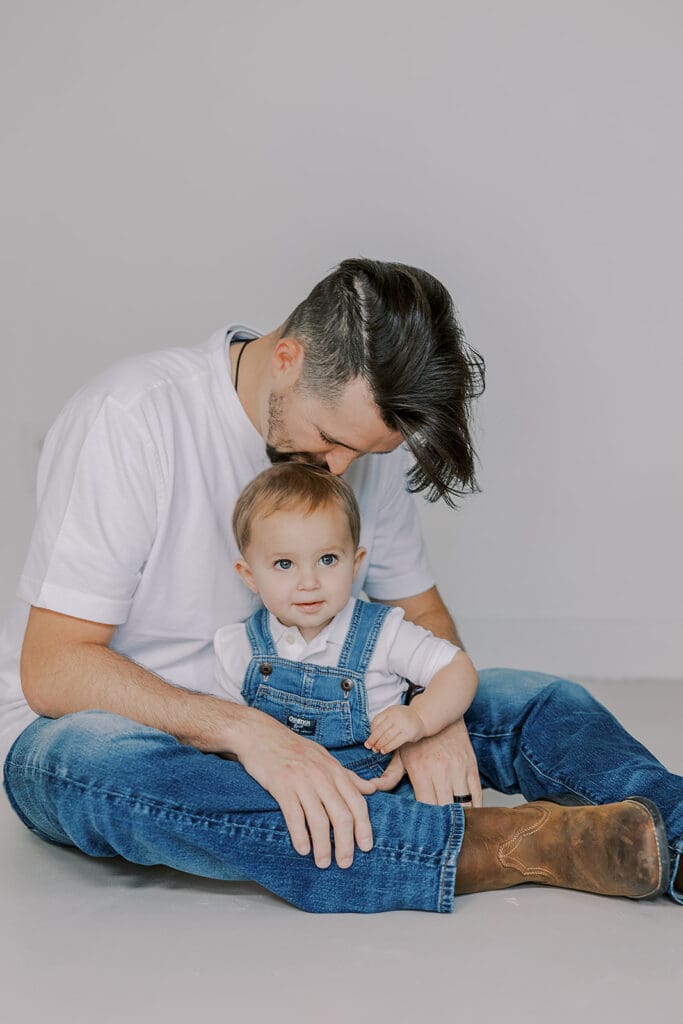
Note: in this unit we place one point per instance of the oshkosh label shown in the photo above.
(304, 726)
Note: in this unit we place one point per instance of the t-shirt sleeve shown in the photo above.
(413, 652)
(233, 653)
(99, 489)
(399, 566)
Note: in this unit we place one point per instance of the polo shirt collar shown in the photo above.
(334, 632)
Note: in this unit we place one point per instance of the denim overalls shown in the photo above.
(326, 704)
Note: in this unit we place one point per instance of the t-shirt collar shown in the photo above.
(249, 438)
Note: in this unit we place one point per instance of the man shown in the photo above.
(122, 748)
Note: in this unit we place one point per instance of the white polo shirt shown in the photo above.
(404, 652)
(137, 482)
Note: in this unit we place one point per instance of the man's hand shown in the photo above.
(439, 767)
(393, 727)
(313, 790)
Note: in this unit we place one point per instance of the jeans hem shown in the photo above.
(450, 860)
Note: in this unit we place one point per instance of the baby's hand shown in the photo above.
(393, 727)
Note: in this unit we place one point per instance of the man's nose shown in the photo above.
(338, 460)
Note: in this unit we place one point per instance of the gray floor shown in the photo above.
(84, 940)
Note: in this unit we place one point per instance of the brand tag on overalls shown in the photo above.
(304, 726)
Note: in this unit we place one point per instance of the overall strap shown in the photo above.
(366, 623)
(259, 634)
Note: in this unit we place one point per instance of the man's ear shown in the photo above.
(360, 555)
(246, 574)
(287, 359)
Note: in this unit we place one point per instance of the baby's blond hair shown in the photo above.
(292, 485)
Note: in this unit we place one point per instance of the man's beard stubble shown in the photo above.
(273, 440)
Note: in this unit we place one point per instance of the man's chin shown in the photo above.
(276, 456)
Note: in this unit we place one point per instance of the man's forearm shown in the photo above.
(90, 676)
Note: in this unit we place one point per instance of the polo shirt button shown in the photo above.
(290, 639)
(265, 669)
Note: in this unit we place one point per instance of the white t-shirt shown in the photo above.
(136, 486)
(403, 652)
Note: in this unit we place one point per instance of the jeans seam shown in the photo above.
(350, 639)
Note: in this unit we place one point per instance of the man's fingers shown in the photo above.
(475, 789)
(325, 804)
(473, 781)
(318, 824)
(459, 784)
(296, 825)
(465, 779)
(357, 805)
(366, 786)
(423, 787)
(392, 774)
(342, 824)
(443, 766)
(338, 805)
(443, 790)
(315, 793)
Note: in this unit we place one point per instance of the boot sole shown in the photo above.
(662, 847)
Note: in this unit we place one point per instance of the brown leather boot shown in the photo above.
(616, 849)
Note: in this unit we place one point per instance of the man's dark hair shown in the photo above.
(395, 326)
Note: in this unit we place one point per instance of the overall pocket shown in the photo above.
(328, 722)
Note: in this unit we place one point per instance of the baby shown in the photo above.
(328, 666)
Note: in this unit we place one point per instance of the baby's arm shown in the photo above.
(445, 700)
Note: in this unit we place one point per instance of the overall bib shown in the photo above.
(328, 704)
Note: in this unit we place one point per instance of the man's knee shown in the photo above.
(563, 704)
(507, 698)
(565, 693)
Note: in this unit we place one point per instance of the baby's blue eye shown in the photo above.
(328, 559)
(284, 563)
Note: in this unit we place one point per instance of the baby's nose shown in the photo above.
(308, 580)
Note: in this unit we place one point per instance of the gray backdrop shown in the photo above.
(170, 166)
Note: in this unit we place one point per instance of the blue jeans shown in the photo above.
(111, 787)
